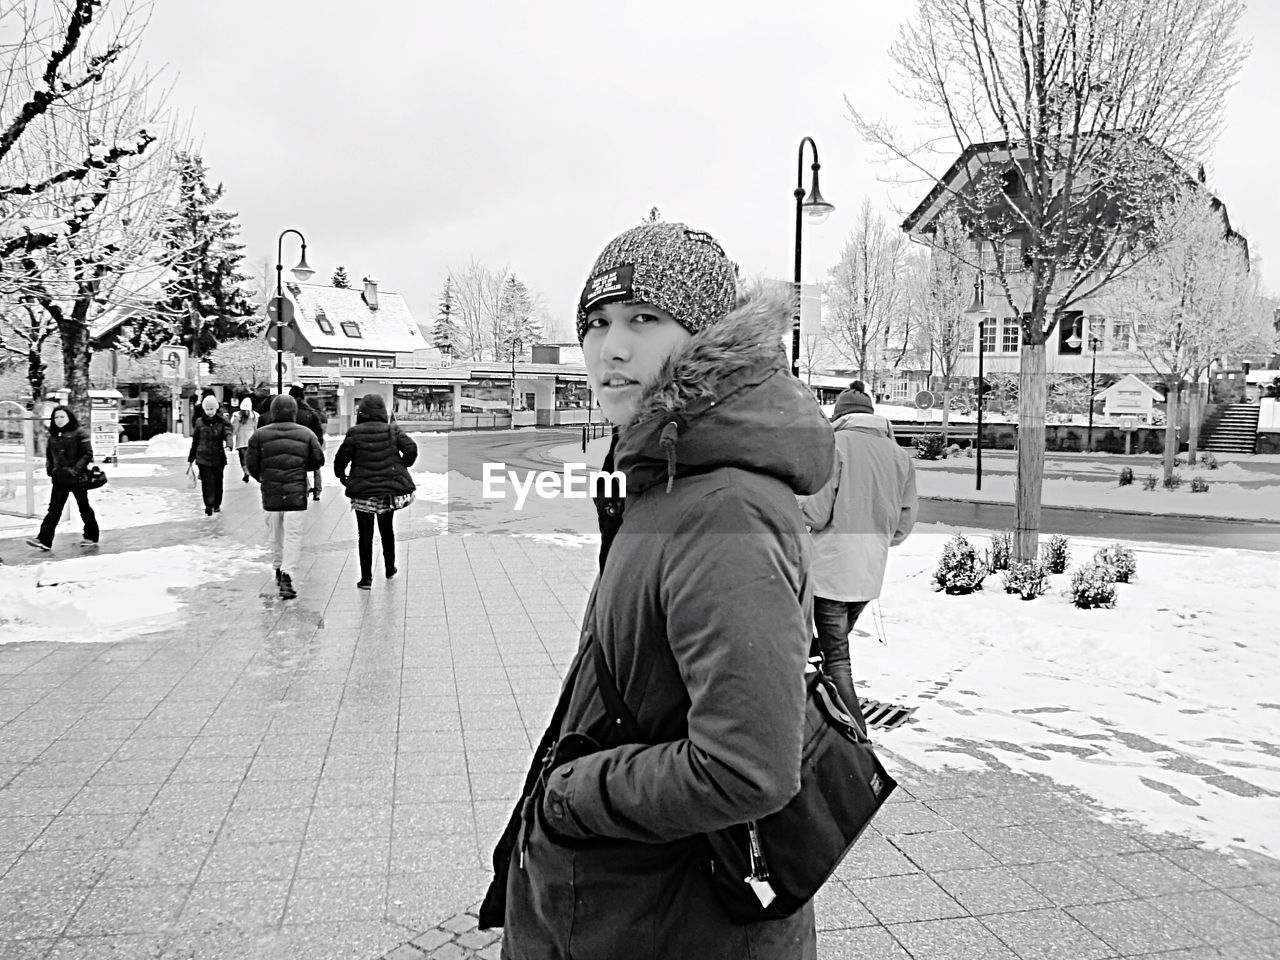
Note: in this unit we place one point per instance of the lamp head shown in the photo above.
(1074, 341)
(302, 271)
(816, 210)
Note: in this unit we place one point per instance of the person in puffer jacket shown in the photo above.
(280, 456)
(210, 442)
(701, 609)
(68, 451)
(379, 454)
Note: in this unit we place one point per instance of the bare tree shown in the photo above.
(1194, 299)
(866, 290)
(250, 364)
(477, 309)
(81, 169)
(1071, 118)
(940, 285)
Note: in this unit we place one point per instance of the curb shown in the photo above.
(458, 938)
(1128, 513)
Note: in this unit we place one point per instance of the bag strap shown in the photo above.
(615, 707)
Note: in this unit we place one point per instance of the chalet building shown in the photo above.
(1069, 349)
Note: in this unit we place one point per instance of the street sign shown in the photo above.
(924, 400)
(287, 368)
(173, 362)
(287, 311)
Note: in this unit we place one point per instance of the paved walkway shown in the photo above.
(325, 778)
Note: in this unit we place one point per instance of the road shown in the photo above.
(528, 450)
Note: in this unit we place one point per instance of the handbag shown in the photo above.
(768, 869)
(90, 478)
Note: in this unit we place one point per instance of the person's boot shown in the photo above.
(365, 582)
(390, 564)
(38, 544)
(286, 587)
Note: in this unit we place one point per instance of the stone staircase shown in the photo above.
(1232, 428)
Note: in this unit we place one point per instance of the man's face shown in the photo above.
(625, 346)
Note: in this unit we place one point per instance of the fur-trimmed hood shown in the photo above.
(728, 400)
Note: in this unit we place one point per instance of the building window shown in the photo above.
(1120, 335)
(900, 389)
(572, 395)
(1098, 332)
(1011, 182)
(323, 322)
(352, 330)
(1010, 336)
(988, 334)
(1071, 325)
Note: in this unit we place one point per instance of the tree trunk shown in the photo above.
(1171, 414)
(35, 374)
(1032, 399)
(75, 364)
(1196, 411)
(946, 407)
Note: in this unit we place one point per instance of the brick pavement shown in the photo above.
(324, 778)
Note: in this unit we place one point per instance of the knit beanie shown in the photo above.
(246, 405)
(674, 268)
(852, 401)
(209, 405)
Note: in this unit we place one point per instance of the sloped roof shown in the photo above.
(389, 329)
(1127, 383)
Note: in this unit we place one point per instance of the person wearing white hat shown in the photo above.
(210, 441)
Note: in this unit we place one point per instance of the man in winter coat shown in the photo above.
(68, 451)
(280, 456)
(702, 612)
(210, 441)
(313, 420)
(868, 506)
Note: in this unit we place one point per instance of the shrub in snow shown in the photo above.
(1000, 552)
(959, 568)
(1149, 481)
(1199, 485)
(1126, 476)
(929, 446)
(1056, 554)
(1025, 578)
(1209, 460)
(1119, 560)
(1092, 586)
(1173, 481)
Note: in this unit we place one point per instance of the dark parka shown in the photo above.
(210, 437)
(702, 608)
(378, 452)
(68, 451)
(280, 456)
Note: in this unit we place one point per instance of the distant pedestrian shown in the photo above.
(67, 452)
(243, 423)
(312, 419)
(280, 456)
(379, 454)
(868, 505)
(210, 440)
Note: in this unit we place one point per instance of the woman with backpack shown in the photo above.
(379, 455)
(69, 451)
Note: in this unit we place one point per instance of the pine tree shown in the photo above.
(445, 334)
(340, 278)
(655, 216)
(204, 302)
(519, 328)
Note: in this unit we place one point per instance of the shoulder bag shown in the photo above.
(90, 478)
(768, 869)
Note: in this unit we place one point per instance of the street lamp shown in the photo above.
(1074, 342)
(979, 309)
(816, 210)
(301, 272)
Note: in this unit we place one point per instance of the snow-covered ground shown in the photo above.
(103, 598)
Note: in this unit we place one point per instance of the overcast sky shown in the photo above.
(405, 137)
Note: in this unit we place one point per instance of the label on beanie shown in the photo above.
(607, 286)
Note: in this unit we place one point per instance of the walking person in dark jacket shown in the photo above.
(211, 439)
(701, 610)
(280, 456)
(379, 454)
(68, 451)
(313, 420)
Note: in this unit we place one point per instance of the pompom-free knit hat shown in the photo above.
(209, 405)
(246, 405)
(669, 265)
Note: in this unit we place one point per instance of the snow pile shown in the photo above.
(114, 470)
(1164, 707)
(168, 445)
(101, 598)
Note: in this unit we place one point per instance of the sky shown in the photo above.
(404, 138)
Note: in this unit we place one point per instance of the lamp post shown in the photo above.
(301, 272)
(979, 309)
(515, 344)
(817, 210)
(1074, 342)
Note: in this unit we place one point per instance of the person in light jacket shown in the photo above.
(701, 609)
(243, 423)
(868, 506)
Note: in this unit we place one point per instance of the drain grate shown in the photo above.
(885, 716)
